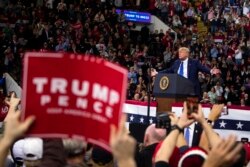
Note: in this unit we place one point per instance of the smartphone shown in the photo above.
(192, 106)
(224, 111)
(244, 140)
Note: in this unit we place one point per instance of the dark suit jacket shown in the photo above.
(194, 66)
(197, 134)
(144, 158)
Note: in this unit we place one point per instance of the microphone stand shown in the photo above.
(149, 87)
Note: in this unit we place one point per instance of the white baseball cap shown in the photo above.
(17, 150)
(33, 149)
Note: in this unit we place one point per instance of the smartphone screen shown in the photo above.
(192, 106)
(244, 140)
(224, 111)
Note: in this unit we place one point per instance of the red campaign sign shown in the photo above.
(72, 95)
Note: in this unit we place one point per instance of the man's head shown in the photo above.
(75, 150)
(33, 151)
(183, 53)
(101, 158)
(153, 135)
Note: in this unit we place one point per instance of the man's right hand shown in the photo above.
(153, 72)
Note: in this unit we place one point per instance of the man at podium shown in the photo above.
(188, 68)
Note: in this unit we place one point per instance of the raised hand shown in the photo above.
(185, 120)
(215, 112)
(13, 127)
(122, 145)
(12, 100)
(199, 116)
(225, 153)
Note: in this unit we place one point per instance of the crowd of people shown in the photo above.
(94, 28)
(160, 148)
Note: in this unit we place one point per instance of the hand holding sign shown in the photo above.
(73, 102)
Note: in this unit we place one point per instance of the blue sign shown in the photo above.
(134, 16)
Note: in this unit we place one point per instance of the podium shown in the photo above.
(171, 88)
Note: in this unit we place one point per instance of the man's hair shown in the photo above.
(74, 147)
(101, 156)
(181, 49)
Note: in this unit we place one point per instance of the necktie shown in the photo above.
(187, 134)
(181, 69)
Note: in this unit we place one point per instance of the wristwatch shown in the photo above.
(176, 127)
(210, 122)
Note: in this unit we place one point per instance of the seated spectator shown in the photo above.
(212, 96)
(205, 98)
(219, 92)
(176, 21)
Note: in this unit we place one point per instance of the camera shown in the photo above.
(163, 121)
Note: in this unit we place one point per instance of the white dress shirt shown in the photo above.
(185, 68)
(191, 134)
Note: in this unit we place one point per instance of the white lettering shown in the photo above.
(76, 90)
(45, 99)
(100, 93)
(97, 107)
(113, 97)
(58, 85)
(63, 101)
(40, 82)
(109, 112)
(81, 103)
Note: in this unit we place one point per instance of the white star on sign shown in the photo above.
(141, 120)
(223, 124)
(239, 125)
(151, 121)
(131, 118)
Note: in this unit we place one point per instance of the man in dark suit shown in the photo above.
(195, 130)
(188, 68)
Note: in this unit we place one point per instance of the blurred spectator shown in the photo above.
(75, 150)
(212, 95)
(152, 137)
(33, 151)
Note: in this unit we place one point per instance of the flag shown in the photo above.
(137, 112)
(237, 122)
(138, 118)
